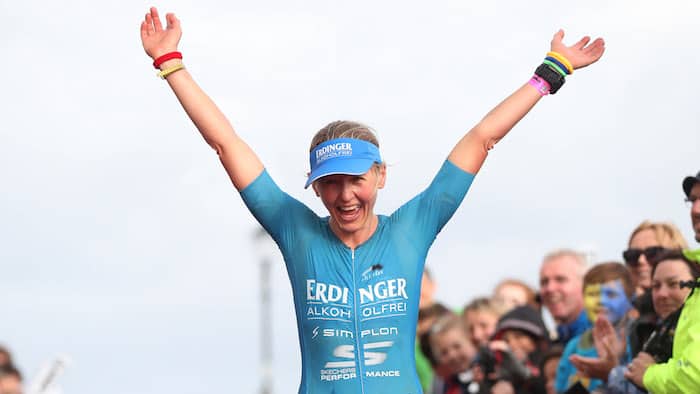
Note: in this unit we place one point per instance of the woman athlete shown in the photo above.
(355, 275)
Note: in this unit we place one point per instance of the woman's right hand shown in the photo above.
(156, 40)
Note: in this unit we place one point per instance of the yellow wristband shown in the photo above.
(164, 73)
(563, 60)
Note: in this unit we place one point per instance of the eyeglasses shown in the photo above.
(690, 200)
(632, 256)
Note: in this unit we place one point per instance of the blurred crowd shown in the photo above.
(619, 327)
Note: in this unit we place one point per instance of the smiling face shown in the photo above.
(666, 292)
(561, 288)
(453, 349)
(519, 343)
(350, 201)
(641, 272)
(481, 324)
(608, 298)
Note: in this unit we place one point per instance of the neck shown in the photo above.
(355, 238)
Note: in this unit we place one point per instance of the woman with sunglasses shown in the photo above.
(646, 241)
(355, 275)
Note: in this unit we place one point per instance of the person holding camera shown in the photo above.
(510, 363)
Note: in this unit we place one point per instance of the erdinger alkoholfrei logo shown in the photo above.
(333, 150)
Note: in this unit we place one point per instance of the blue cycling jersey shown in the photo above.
(356, 309)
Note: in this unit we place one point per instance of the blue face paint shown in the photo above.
(614, 300)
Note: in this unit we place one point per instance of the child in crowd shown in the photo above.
(608, 290)
(454, 353)
(510, 293)
(550, 362)
(426, 365)
(511, 362)
(481, 317)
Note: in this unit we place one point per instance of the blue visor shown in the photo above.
(348, 156)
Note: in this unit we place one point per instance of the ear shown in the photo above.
(315, 187)
(381, 176)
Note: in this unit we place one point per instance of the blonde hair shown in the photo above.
(344, 129)
(666, 234)
(530, 294)
(483, 304)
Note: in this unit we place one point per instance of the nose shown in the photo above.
(642, 261)
(695, 208)
(547, 288)
(347, 192)
(662, 291)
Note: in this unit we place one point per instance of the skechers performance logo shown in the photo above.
(333, 150)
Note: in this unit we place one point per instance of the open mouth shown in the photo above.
(348, 214)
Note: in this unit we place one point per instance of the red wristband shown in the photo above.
(164, 58)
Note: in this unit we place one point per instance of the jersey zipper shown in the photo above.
(360, 374)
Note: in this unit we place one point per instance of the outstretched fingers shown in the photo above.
(558, 37)
(157, 25)
(582, 42)
(596, 48)
(173, 22)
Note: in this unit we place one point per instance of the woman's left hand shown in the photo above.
(637, 368)
(582, 53)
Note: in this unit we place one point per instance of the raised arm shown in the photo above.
(240, 162)
(470, 152)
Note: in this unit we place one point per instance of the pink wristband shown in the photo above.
(540, 84)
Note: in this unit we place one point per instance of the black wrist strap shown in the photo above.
(553, 78)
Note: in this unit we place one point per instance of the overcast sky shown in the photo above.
(124, 246)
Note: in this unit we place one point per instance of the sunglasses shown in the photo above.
(632, 256)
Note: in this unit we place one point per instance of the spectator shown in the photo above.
(561, 290)
(425, 361)
(510, 293)
(608, 290)
(646, 241)
(680, 373)
(480, 317)
(550, 361)
(517, 348)
(10, 380)
(669, 271)
(453, 350)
